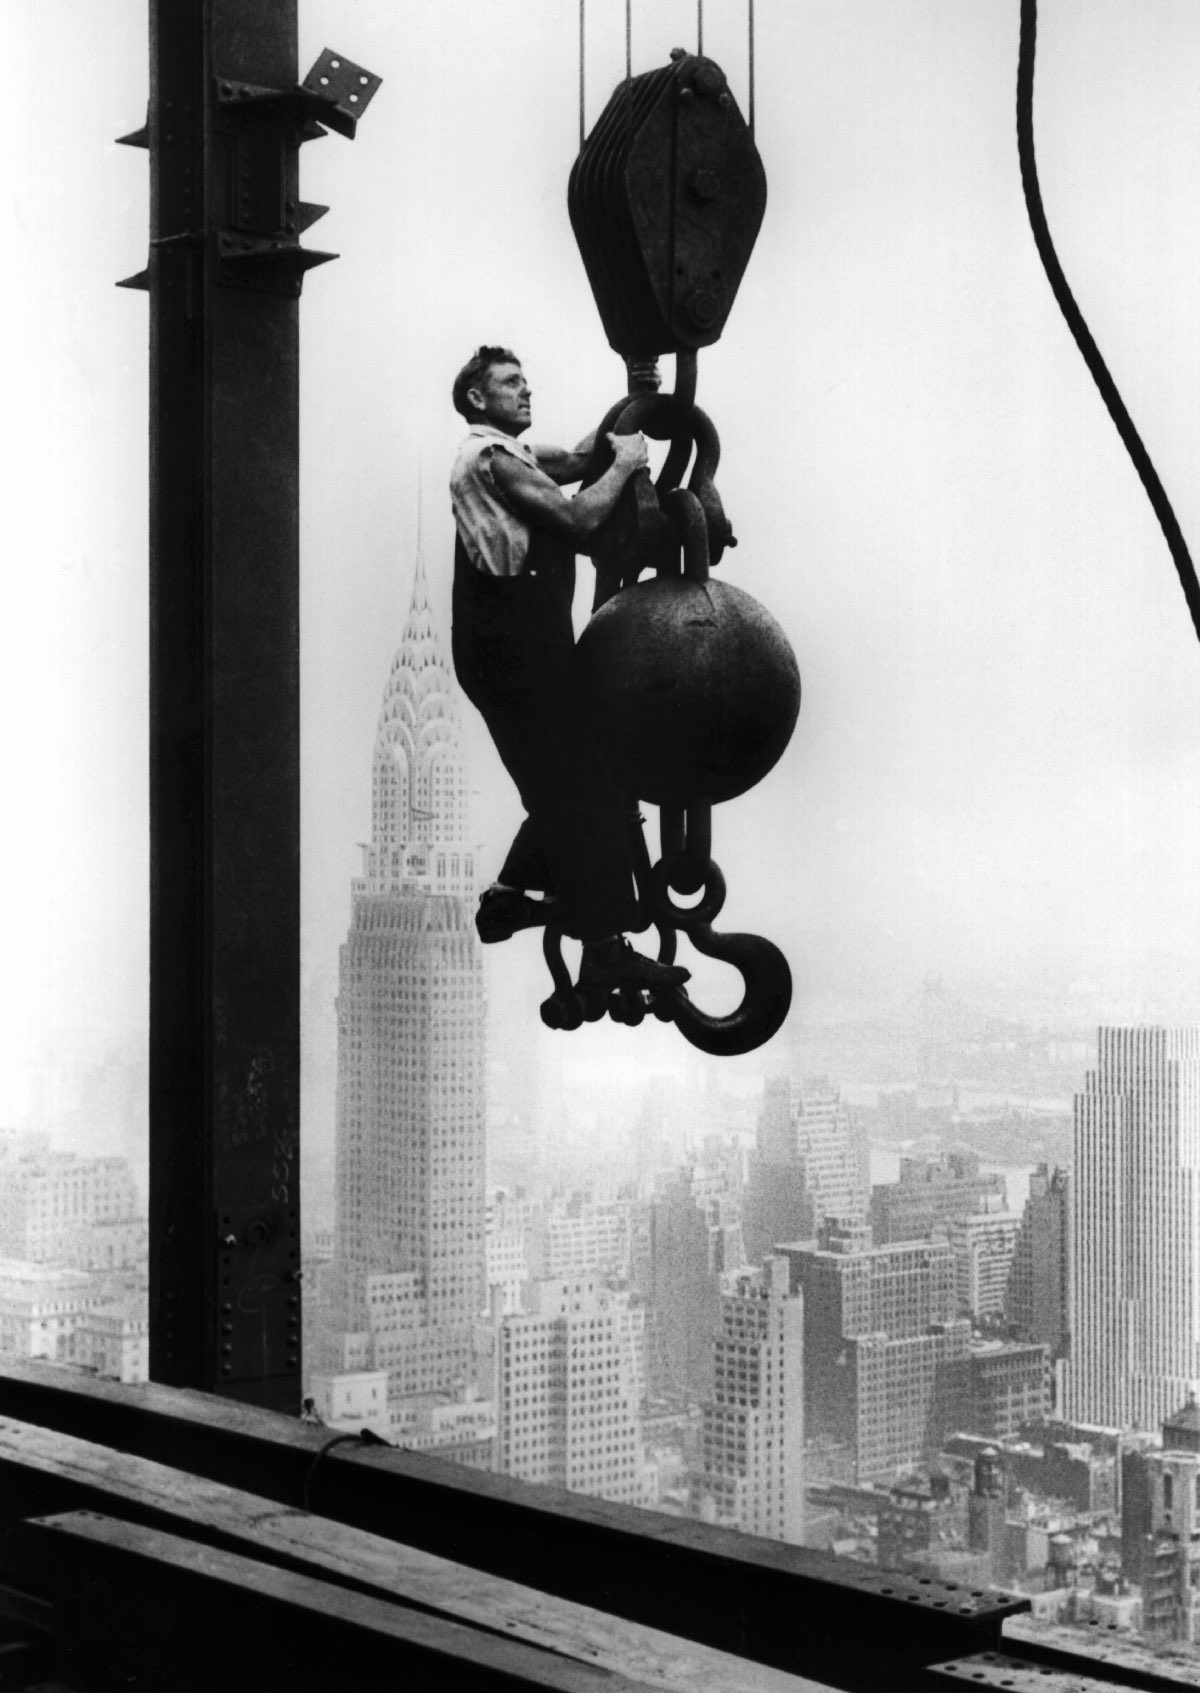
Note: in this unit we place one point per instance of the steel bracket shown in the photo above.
(268, 265)
(335, 93)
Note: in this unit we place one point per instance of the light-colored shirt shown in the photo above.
(495, 538)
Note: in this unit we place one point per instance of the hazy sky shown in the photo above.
(997, 765)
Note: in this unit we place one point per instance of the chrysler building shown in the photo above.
(409, 1239)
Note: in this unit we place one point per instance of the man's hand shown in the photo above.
(534, 495)
(630, 452)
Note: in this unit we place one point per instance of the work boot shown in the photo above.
(614, 964)
(502, 911)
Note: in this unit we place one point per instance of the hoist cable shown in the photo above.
(699, 26)
(629, 66)
(582, 40)
(750, 33)
(1075, 321)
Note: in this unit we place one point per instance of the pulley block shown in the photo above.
(666, 199)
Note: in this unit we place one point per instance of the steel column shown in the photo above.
(224, 687)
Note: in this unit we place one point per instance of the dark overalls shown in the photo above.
(514, 655)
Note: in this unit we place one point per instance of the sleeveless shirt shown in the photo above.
(494, 538)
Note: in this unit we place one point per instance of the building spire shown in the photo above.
(419, 795)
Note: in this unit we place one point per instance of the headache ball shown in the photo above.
(692, 689)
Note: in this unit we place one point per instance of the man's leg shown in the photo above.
(515, 657)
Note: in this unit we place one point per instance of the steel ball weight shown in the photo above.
(692, 689)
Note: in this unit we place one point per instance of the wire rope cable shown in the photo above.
(582, 60)
(629, 67)
(750, 54)
(1130, 438)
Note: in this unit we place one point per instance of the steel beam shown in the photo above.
(846, 1624)
(224, 691)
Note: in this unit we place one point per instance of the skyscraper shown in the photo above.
(1036, 1298)
(568, 1388)
(810, 1163)
(751, 1473)
(409, 1239)
(883, 1350)
(1134, 1208)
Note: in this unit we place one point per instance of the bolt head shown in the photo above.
(703, 307)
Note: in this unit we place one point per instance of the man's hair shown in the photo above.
(473, 373)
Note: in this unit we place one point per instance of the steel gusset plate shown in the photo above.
(666, 199)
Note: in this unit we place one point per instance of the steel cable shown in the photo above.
(1132, 441)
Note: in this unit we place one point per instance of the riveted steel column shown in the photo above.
(224, 682)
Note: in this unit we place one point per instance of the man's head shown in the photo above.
(491, 388)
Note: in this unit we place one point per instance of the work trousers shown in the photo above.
(514, 656)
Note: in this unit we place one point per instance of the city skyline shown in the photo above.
(978, 853)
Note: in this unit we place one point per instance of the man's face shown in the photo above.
(503, 398)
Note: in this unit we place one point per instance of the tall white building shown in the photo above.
(407, 1281)
(751, 1473)
(569, 1388)
(1134, 1209)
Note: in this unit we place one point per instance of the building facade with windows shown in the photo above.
(884, 1351)
(79, 1213)
(407, 1280)
(1134, 1214)
(1036, 1299)
(810, 1162)
(983, 1248)
(751, 1472)
(931, 1194)
(569, 1384)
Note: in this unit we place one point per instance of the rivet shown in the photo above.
(725, 100)
(687, 93)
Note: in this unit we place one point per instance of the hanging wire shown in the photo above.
(699, 26)
(750, 29)
(582, 37)
(629, 66)
(1130, 438)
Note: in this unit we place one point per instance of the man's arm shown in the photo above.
(535, 497)
(565, 464)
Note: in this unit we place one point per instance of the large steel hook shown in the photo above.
(767, 994)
